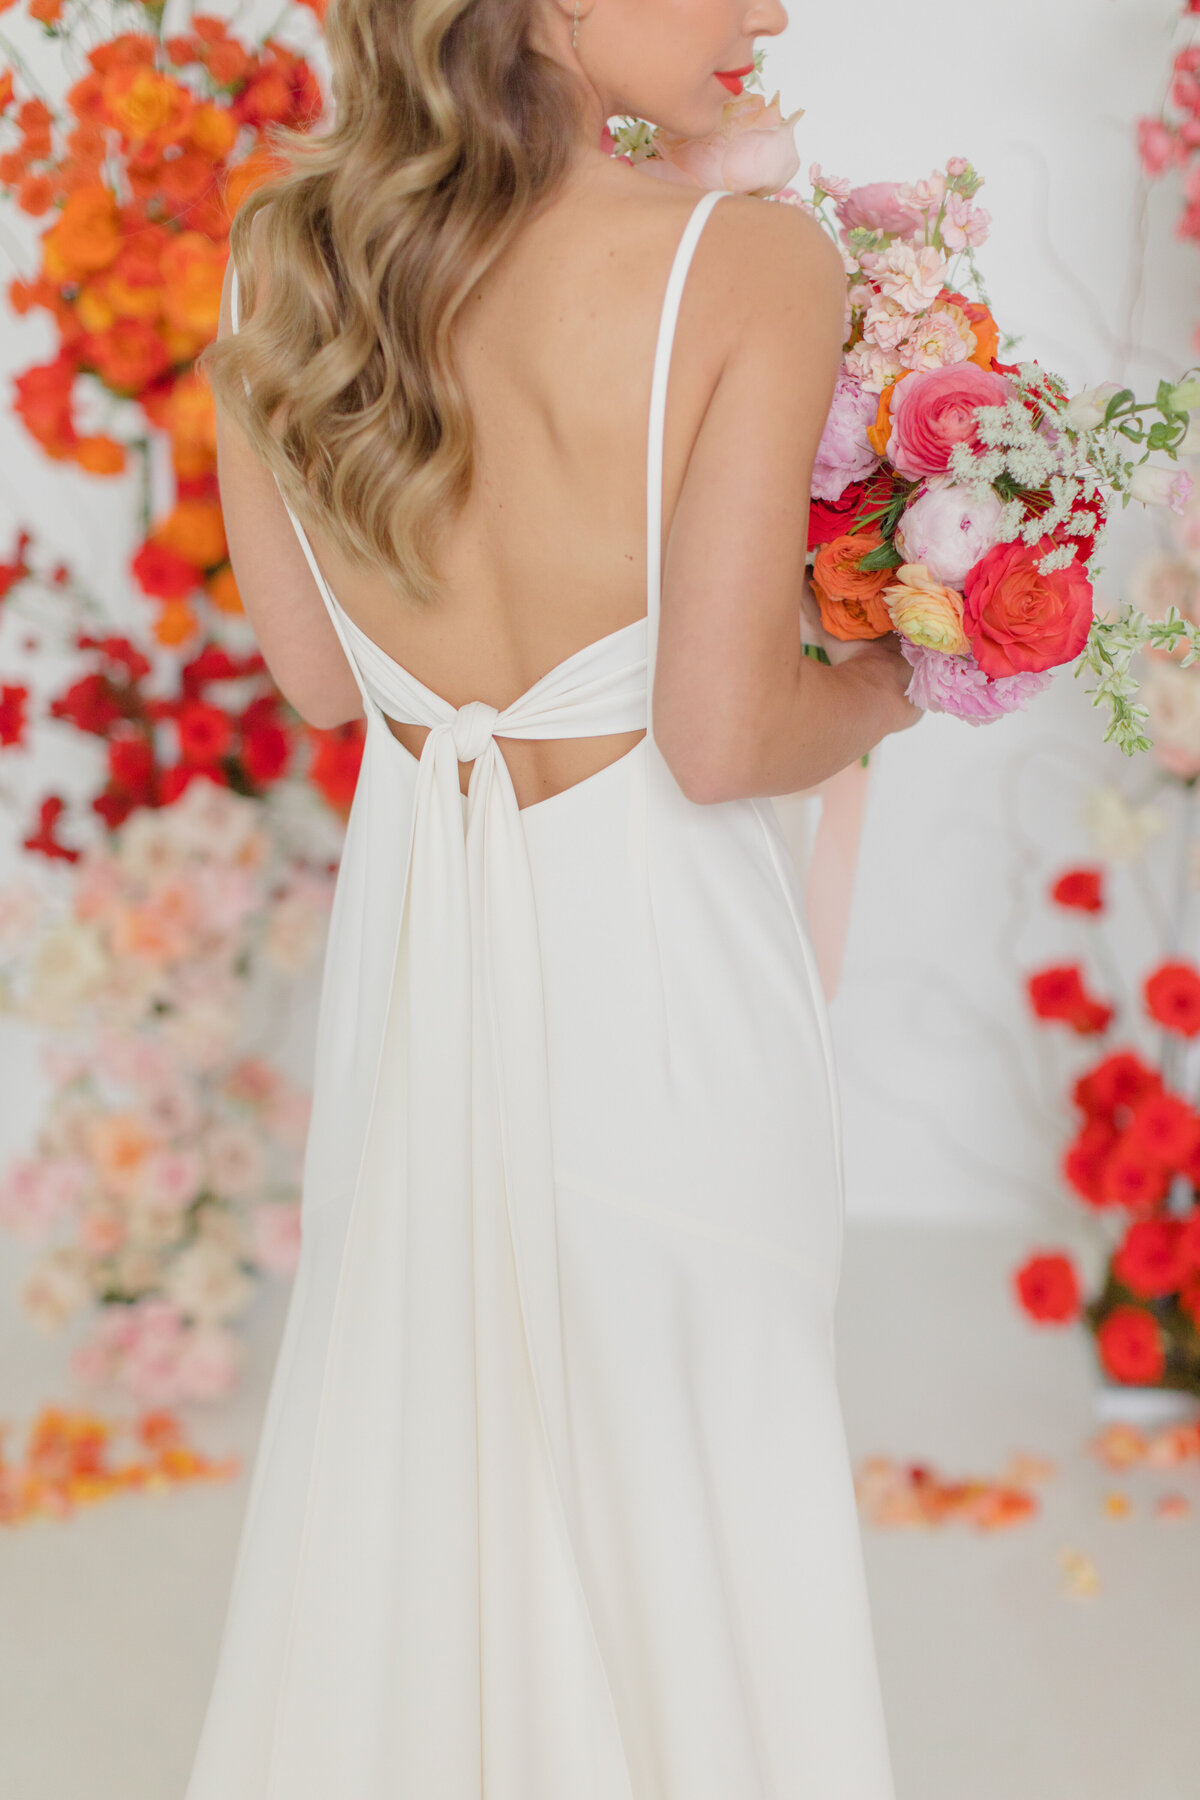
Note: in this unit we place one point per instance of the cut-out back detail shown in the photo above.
(600, 690)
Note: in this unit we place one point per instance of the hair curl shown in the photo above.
(450, 129)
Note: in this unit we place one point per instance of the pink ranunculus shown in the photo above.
(1158, 147)
(276, 1232)
(878, 207)
(752, 151)
(957, 685)
(935, 409)
(948, 529)
(209, 1362)
(844, 455)
(36, 1192)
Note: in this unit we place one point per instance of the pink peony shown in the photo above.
(878, 207)
(957, 685)
(948, 530)
(1157, 147)
(935, 409)
(844, 455)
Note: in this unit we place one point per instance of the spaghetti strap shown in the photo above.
(323, 587)
(657, 431)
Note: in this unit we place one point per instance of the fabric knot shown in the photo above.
(472, 729)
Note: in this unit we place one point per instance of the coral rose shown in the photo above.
(848, 597)
(924, 611)
(1019, 619)
(934, 409)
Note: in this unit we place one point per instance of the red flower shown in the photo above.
(1018, 619)
(1120, 1080)
(337, 756)
(1133, 1179)
(163, 573)
(1085, 1160)
(1058, 993)
(1148, 1261)
(131, 765)
(1189, 1299)
(43, 840)
(90, 704)
(1048, 1288)
(12, 714)
(264, 751)
(1079, 889)
(829, 519)
(1172, 995)
(1166, 1127)
(1131, 1346)
(1189, 1243)
(205, 732)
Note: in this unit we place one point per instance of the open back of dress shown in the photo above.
(552, 1500)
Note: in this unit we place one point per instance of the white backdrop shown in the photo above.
(949, 1093)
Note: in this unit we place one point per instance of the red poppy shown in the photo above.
(13, 703)
(1085, 1158)
(1189, 1242)
(1079, 889)
(1172, 995)
(205, 732)
(1059, 994)
(1166, 1127)
(1120, 1080)
(1133, 1179)
(1048, 1288)
(1131, 1346)
(1148, 1261)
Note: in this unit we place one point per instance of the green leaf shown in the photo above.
(1118, 403)
(884, 556)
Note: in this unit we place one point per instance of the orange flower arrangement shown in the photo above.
(139, 176)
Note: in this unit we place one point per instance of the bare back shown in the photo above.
(556, 348)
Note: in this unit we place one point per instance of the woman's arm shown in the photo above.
(739, 709)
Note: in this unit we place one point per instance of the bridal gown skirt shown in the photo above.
(648, 1585)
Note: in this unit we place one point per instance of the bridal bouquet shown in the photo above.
(957, 500)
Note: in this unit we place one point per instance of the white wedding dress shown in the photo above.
(553, 1500)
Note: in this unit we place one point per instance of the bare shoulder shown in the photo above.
(770, 262)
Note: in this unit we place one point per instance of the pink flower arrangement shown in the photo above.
(956, 500)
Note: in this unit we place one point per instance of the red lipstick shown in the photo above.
(732, 78)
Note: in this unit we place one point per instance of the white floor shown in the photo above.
(999, 1685)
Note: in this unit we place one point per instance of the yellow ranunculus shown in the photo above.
(926, 612)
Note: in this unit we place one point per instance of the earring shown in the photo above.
(575, 27)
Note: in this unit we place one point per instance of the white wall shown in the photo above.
(950, 1095)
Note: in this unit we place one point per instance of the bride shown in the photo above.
(552, 1499)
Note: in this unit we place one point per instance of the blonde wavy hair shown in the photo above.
(449, 129)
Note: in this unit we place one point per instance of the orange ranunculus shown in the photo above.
(987, 332)
(85, 237)
(128, 50)
(212, 131)
(228, 63)
(223, 591)
(185, 179)
(100, 454)
(144, 104)
(926, 611)
(175, 624)
(193, 269)
(260, 166)
(35, 194)
(879, 433)
(128, 356)
(190, 418)
(848, 597)
(195, 530)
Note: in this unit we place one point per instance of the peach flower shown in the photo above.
(926, 612)
(752, 151)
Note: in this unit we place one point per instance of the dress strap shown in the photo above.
(658, 414)
(326, 592)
